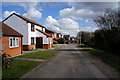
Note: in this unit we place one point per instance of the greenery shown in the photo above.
(36, 49)
(55, 42)
(61, 41)
(55, 47)
(107, 57)
(108, 40)
(108, 36)
(81, 45)
(37, 55)
(19, 68)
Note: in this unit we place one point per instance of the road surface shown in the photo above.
(71, 62)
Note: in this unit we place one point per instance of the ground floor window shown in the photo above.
(32, 41)
(14, 42)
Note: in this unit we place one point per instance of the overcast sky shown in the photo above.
(63, 17)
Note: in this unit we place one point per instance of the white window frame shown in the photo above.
(33, 41)
(14, 44)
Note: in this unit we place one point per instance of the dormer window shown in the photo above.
(32, 27)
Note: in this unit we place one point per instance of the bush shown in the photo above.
(55, 42)
(61, 41)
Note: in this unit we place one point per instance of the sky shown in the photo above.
(67, 18)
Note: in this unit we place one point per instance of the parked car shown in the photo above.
(68, 42)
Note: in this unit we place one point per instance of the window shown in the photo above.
(14, 42)
(32, 27)
(32, 40)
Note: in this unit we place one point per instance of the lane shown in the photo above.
(69, 63)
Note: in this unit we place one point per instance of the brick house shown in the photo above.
(52, 33)
(66, 37)
(59, 35)
(10, 40)
(34, 35)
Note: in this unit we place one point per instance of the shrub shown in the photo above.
(55, 42)
(61, 41)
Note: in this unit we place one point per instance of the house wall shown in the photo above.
(19, 25)
(55, 35)
(24, 28)
(12, 51)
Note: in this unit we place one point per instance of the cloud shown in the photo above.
(33, 14)
(64, 25)
(79, 14)
(94, 6)
(86, 10)
(88, 29)
(8, 13)
(67, 23)
(25, 5)
(52, 24)
(31, 8)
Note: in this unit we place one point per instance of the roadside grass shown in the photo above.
(36, 49)
(37, 55)
(18, 68)
(107, 57)
(55, 47)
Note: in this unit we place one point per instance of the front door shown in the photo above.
(39, 42)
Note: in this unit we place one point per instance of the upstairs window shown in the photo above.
(14, 42)
(32, 27)
(32, 41)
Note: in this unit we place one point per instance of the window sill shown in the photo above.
(14, 47)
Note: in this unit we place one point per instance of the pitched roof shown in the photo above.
(24, 18)
(8, 31)
(49, 31)
(66, 35)
(44, 33)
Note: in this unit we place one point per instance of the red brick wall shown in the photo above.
(47, 46)
(12, 51)
(28, 47)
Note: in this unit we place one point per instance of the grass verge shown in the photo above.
(107, 57)
(37, 55)
(36, 49)
(55, 47)
(18, 68)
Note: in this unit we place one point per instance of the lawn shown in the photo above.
(19, 68)
(107, 57)
(37, 55)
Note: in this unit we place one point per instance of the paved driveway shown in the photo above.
(70, 62)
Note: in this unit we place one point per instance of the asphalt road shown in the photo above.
(71, 62)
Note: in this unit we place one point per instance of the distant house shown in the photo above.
(34, 33)
(59, 35)
(52, 33)
(10, 40)
(66, 37)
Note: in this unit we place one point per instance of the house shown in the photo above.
(52, 33)
(34, 33)
(59, 35)
(10, 41)
(66, 37)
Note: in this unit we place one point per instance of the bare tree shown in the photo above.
(110, 19)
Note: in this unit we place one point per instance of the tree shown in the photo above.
(86, 37)
(110, 19)
(108, 36)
